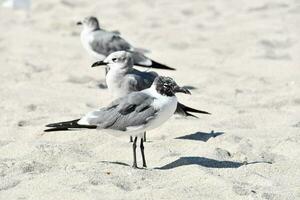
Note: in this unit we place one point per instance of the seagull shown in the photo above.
(122, 79)
(132, 114)
(99, 43)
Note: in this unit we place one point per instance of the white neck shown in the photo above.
(114, 79)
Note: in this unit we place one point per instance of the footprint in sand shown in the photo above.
(79, 79)
(36, 68)
(23, 123)
(187, 12)
(31, 107)
(274, 49)
(180, 45)
(268, 6)
(222, 154)
(7, 183)
(33, 166)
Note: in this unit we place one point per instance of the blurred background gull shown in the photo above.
(17, 4)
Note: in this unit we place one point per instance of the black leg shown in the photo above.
(134, 153)
(131, 140)
(144, 136)
(143, 154)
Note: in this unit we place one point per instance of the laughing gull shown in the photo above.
(123, 79)
(99, 43)
(132, 114)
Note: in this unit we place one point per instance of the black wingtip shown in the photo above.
(203, 112)
(67, 125)
(191, 115)
(189, 109)
(155, 65)
(185, 110)
(56, 129)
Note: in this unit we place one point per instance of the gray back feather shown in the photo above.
(106, 43)
(132, 110)
(136, 80)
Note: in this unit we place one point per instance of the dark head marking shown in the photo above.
(167, 86)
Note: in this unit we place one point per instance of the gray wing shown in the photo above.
(129, 111)
(105, 43)
(137, 80)
(140, 59)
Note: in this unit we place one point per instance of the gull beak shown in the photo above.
(181, 89)
(79, 23)
(98, 63)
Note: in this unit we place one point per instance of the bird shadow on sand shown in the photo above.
(201, 136)
(206, 162)
(122, 164)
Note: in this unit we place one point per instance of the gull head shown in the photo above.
(167, 86)
(119, 60)
(90, 23)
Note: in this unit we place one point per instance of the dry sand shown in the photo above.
(242, 57)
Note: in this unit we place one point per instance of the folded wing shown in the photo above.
(132, 110)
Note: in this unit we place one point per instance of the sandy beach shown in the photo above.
(241, 57)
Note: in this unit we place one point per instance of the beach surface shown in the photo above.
(241, 59)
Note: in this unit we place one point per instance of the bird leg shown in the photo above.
(134, 153)
(131, 140)
(144, 136)
(142, 151)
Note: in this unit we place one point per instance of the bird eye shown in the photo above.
(114, 59)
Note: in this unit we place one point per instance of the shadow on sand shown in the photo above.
(201, 136)
(206, 162)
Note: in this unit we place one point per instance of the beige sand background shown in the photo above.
(243, 58)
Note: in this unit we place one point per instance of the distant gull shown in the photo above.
(99, 43)
(132, 114)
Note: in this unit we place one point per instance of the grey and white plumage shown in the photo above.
(123, 79)
(99, 43)
(123, 114)
(132, 114)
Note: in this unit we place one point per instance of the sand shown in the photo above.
(242, 57)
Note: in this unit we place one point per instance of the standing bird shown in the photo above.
(132, 114)
(122, 79)
(99, 43)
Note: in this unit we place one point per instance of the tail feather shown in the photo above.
(64, 126)
(185, 110)
(155, 65)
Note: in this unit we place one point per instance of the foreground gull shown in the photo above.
(123, 79)
(99, 43)
(132, 114)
